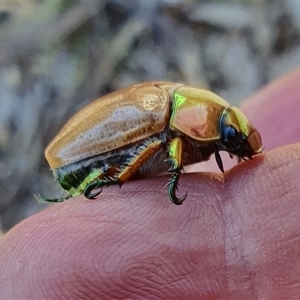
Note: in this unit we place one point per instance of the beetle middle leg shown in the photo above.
(144, 152)
(106, 179)
(97, 184)
(175, 159)
(130, 163)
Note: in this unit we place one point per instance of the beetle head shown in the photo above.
(237, 135)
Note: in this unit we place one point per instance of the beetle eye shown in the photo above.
(230, 137)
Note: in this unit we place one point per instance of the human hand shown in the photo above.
(235, 237)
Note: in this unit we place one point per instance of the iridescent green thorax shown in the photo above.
(196, 112)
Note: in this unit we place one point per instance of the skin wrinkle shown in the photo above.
(234, 241)
(205, 213)
(116, 259)
(70, 278)
(146, 227)
(140, 266)
(90, 287)
(83, 259)
(163, 226)
(281, 216)
(152, 269)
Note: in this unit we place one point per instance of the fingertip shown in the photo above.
(124, 239)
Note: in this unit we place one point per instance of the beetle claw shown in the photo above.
(98, 184)
(92, 186)
(173, 187)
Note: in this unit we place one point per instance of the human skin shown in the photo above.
(236, 236)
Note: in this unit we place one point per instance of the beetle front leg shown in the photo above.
(175, 159)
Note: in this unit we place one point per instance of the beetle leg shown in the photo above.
(219, 161)
(173, 187)
(97, 184)
(109, 170)
(92, 186)
(51, 200)
(175, 159)
(143, 154)
(175, 154)
(146, 150)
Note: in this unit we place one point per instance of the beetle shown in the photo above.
(145, 130)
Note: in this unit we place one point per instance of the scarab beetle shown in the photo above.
(144, 130)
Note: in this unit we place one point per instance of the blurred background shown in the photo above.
(57, 56)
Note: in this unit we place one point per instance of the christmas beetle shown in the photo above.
(145, 130)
